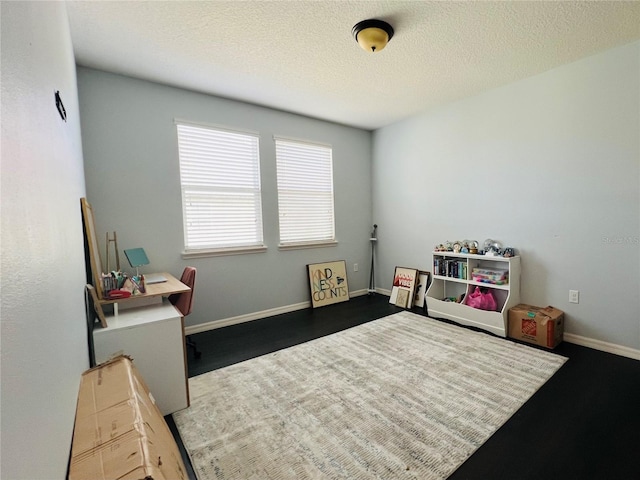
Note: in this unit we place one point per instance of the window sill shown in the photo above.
(298, 246)
(223, 252)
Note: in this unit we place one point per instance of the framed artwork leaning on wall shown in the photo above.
(403, 287)
(421, 288)
(328, 283)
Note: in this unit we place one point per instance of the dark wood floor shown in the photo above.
(584, 423)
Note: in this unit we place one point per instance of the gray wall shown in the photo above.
(548, 165)
(44, 334)
(132, 174)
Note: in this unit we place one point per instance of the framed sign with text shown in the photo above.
(328, 283)
(403, 287)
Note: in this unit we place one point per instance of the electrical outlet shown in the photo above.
(574, 296)
(355, 267)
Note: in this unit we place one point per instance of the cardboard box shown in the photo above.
(540, 326)
(119, 431)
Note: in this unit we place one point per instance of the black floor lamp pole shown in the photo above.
(372, 277)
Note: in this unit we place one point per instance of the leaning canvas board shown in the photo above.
(403, 299)
(421, 289)
(92, 242)
(328, 283)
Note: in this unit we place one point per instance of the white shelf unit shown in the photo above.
(507, 295)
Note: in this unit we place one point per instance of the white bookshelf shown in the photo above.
(444, 286)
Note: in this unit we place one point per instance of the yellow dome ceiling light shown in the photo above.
(372, 35)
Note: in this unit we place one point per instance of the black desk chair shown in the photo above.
(184, 301)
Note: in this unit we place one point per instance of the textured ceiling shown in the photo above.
(299, 56)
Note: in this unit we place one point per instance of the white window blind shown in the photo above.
(305, 192)
(220, 178)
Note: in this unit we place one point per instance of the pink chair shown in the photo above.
(184, 301)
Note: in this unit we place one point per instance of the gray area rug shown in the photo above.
(404, 397)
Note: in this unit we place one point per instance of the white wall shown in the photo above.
(131, 162)
(44, 335)
(548, 165)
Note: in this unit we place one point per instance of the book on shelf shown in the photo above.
(450, 268)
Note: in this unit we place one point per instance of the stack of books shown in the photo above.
(450, 268)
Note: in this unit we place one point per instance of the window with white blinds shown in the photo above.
(220, 178)
(305, 192)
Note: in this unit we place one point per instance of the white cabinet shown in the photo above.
(153, 337)
(457, 278)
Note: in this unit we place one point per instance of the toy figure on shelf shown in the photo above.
(492, 248)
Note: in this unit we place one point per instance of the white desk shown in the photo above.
(154, 293)
(153, 336)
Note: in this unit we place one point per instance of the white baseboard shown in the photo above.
(602, 346)
(225, 322)
(568, 337)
